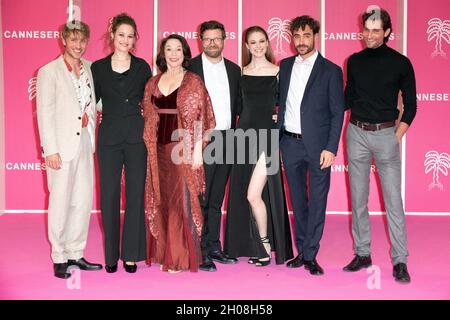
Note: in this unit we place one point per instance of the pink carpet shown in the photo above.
(26, 268)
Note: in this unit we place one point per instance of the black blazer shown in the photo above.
(121, 112)
(234, 82)
(322, 107)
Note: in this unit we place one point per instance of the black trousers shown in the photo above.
(111, 160)
(216, 178)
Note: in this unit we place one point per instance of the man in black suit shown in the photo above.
(310, 119)
(222, 79)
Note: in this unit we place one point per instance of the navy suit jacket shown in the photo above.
(322, 107)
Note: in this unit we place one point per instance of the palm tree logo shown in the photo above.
(438, 30)
(438, 163)
(279, 30)
(32, 88)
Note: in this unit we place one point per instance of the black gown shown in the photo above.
(242, 238)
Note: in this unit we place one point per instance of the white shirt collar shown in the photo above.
(208, 64)
(308, 61)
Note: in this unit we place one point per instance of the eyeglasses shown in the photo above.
(215, 40)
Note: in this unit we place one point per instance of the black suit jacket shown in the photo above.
(234, 82)
(322, 107)
(121, 112)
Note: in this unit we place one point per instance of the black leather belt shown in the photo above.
(372, 126)
(293, 135)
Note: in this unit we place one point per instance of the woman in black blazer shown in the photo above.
(119, 81)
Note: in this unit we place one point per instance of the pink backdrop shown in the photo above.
(24, 52)
(275, 19)
(22, 58)
(430, 131)
(176, 16)
(25, 179)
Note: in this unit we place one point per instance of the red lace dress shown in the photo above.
(174, 218)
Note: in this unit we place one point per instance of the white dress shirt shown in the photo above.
(299, 78)
(216, 82)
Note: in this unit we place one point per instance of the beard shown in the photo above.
(213, 52)
(303, 47)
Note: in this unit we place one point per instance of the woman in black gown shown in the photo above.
(257, 218)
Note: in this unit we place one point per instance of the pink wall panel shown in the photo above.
(275, 19)
(2, 122)
(30, 40)
(429, 51)
(24, 53)
(184, 17)
(98, 15)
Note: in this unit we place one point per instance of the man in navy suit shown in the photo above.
(310, 119)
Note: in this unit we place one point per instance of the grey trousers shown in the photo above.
(382, 145)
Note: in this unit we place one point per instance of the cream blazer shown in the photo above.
(58, 110)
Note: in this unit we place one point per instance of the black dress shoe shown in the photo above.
(401, 274)
(111, 269)
(314, 268)
(358, 263)
(84, 265)
(208, 266)
(297, 262)
(60, 270)
(130, 268)
(221, 257)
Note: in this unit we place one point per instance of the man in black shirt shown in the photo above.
(375, 76)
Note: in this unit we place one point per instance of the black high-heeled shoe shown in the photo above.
(130, 268)
(111, 269)
(260, 262)
(252, 260)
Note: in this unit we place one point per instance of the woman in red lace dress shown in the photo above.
(175, 99)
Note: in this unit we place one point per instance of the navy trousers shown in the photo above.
(308, 186)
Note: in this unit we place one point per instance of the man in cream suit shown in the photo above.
(66, 119)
